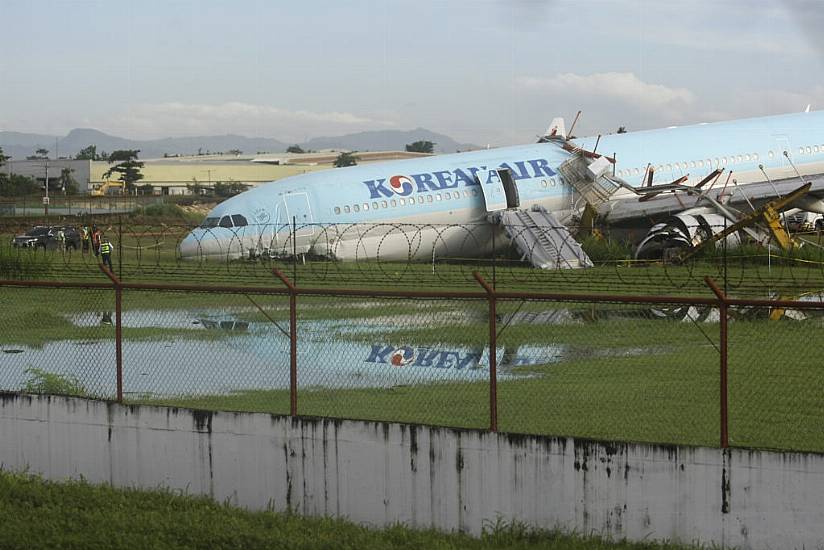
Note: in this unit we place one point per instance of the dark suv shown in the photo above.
(45, 237)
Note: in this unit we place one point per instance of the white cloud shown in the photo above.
(611, 88)
(192, 119)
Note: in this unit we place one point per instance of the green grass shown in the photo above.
(148, 254)
(650, 381)
(75, 514)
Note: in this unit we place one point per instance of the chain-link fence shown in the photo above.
(399, 255)
(704, 371)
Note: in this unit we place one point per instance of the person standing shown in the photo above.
(106, 251)
(61, 239)
(85, 236)
(96, 234)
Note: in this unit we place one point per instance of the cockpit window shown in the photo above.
(239, 220)
(208, 223)
(225, 221)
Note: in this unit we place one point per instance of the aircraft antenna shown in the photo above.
(597, 141)
(574, 122)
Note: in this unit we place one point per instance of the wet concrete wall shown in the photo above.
(380, 473)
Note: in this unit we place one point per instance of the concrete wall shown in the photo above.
(380, 473)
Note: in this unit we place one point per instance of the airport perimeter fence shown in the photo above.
(704, 371)
(402, 255)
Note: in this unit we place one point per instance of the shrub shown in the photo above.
(41, 381)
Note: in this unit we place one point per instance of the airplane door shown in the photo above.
(498, 189)
(781, 143)
(297, 207)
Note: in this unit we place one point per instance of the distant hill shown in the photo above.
(387, 140)
(20, 145)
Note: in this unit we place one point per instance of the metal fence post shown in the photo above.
(722, 345)
(293, 342)
(118, 329)
(493, 353)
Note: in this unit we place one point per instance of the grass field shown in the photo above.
(41, 514)
(614, 372)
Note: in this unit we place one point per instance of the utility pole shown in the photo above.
(46, 198)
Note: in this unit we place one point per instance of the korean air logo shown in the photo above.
(402, 357)
(401, 185)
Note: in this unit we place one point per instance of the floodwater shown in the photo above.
(229, 354)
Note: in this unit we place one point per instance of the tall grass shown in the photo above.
(75, 514)
(24, 263)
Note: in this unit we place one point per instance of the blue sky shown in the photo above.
(482, 71)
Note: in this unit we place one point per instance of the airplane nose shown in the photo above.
(189, 247)
(202, 244)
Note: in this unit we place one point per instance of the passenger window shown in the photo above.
(374, 206)
(403, 202)
(420, 200)
(456, 195)
(394, 203)
(429, 198)
(438, 197)
(346, 208)
(239, 220)
(356, 208)
(366, 206)
(225, 221)
(474, 192)
(337, 210)
(384, 205)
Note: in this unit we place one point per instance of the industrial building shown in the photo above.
(187, 174)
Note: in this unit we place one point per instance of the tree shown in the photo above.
(228, 189)
(196, 188)
(346, 159)
(422, 146)
(17, 186)
(42, 153)
(3, 158)
(622, 129)
(235, 152)
(88, 153)
(128, 167)
(295, 149)
(68, 183)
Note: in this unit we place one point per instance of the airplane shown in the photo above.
(464, 204)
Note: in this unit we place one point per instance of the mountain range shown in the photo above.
(19, 145)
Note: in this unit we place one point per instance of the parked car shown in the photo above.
(45, 237)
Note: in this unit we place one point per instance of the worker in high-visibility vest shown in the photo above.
(106, 251)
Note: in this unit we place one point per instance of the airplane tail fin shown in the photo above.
(556, 128)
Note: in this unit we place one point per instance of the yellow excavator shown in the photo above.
(103, 189)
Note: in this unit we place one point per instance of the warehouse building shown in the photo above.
(190, 174)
